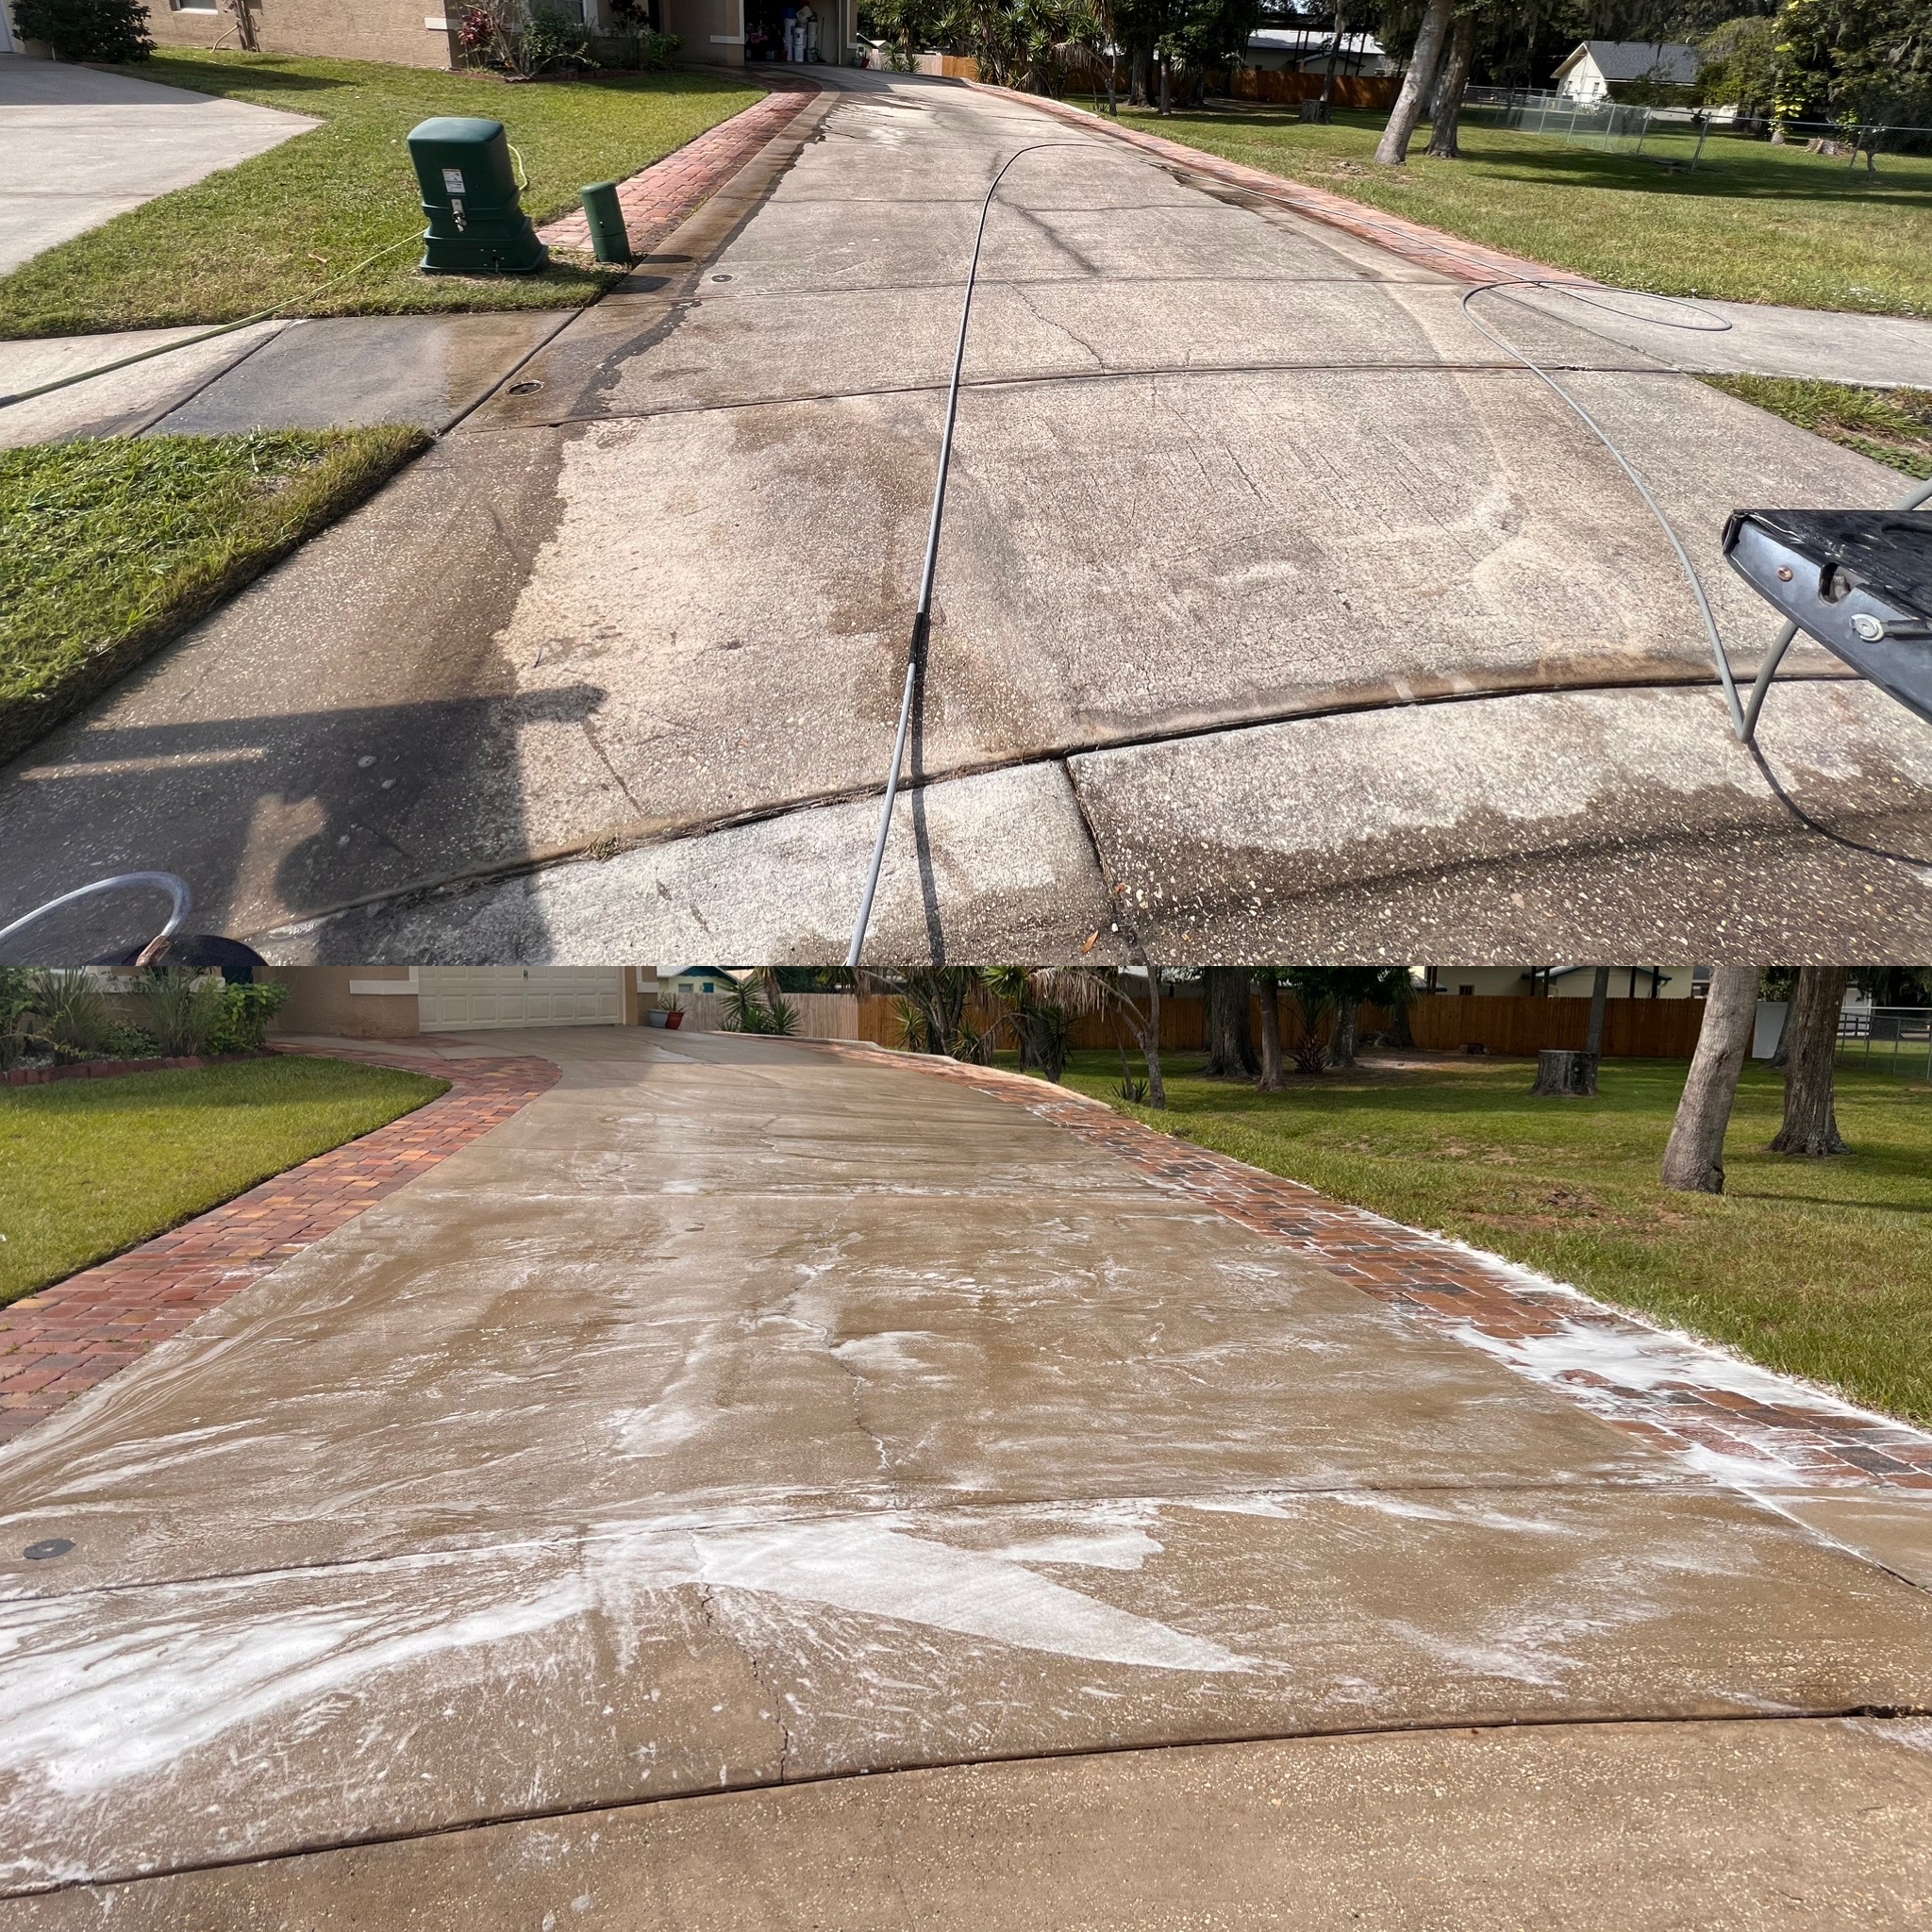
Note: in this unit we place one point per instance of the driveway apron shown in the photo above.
(733, 1417)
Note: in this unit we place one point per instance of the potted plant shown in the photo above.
(668, 1012)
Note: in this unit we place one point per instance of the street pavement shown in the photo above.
(79, 146)
(750, 1489)
(1279, 615)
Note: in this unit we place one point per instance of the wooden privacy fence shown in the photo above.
(1282, 84)
(1515, 1024)
(1443, 1023)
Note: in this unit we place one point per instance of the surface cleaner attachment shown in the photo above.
(1858, 580)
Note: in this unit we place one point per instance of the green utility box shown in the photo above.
(477, 225)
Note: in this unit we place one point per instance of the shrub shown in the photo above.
(183, 1009)
(133, 1043)
(17, 1032)
(70, 1015)
(241, 1025)
(552, 38)
(87, 29)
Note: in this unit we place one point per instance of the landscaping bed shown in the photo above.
(111, 546)
(1817, 1268)
(1891, 426)
(114, 1069)
(91, 1167)
(278, 227)
(1752, 223)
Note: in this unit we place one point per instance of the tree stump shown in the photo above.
(1559, 1071)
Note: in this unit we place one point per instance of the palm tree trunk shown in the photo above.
(1392, 150)
(1695, 1161)
(1448, 115)
(1270, 985)
(1810, 1126)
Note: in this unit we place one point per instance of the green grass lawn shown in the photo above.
(1892, 425)
(279, 226)
(108, 546)
(1822, 1268)
(1754, 223)
(91, 1167)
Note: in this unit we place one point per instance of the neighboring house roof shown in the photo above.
(1670, 62)
(1294, 40)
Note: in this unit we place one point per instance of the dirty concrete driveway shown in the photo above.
(1281, 615)
(750, 1489)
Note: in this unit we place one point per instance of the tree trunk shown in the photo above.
(1165, 108)
(1341, 1042)
(1810, 1127)
(1448, 115)
(1392, 150)
(1593, 1039)
(1268, 986)
(1695, 1161)
(1328, 79)
(1150, 1045)
(1136, 78)
(1230, 1048)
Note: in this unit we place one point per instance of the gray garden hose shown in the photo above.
(226, 328)
(167, 882)
(921, 615)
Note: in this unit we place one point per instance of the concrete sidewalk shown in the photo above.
(764, 1490)
(79, 146)
(1407, 666)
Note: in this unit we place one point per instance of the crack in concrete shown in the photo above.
(707, 1609)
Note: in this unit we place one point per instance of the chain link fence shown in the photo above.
(1679, 137)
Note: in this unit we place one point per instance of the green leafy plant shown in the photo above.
(108, 30)
(72, 1016)
(745, 1011)
(127, 1042)
(241, 1025)
(17, 1028)
(182, 1008)
(550, 39)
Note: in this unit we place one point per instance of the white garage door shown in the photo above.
(457, 998)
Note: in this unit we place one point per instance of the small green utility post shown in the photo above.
(609, 238)
(477, 225)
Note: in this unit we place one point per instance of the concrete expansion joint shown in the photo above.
(1465, 1725)
(612, 840)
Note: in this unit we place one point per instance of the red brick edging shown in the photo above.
(659, 197)
(1457, 1289)
(62, 1340)
(1449, 255)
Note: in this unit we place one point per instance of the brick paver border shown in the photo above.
(1799, 1440)
(62, 1340)
(1449, 255)
(657, 199)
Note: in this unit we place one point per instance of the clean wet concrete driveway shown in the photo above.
(737, 1420)
(1279, 615)
(79, 146)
